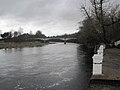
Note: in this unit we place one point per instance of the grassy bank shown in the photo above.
(21, 44)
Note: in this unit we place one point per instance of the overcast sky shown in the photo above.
(52, 17)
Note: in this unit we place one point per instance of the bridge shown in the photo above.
(55, 38)
(58, 39)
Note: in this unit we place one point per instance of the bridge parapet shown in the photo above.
(55, 38)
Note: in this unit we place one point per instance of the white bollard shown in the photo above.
(97, 61)
(100, 51)
(97, 69)
(101, 47)
(97, 58)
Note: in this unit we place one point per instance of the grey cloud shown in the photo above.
(35, 8)
(54, 14)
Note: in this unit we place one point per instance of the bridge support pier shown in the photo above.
(65, 41)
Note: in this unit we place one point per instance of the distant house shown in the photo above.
(117, 43)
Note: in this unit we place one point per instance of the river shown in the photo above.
(50, 67)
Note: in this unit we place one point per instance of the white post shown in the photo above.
(97, 61)
(97, 69)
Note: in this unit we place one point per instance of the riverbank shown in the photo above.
(21, 44)
(110, 78)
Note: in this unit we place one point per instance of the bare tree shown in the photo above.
(98, 14)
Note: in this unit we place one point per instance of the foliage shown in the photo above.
(87, 34)
(6, 35)
(39, 34)
(19, 37)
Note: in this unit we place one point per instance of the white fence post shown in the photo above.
(97, 61)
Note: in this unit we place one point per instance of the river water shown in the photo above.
(50, 67)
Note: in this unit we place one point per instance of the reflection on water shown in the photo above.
(51, 67)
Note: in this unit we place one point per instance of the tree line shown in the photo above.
(19, 36)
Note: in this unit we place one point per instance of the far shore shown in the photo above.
(21, 44)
